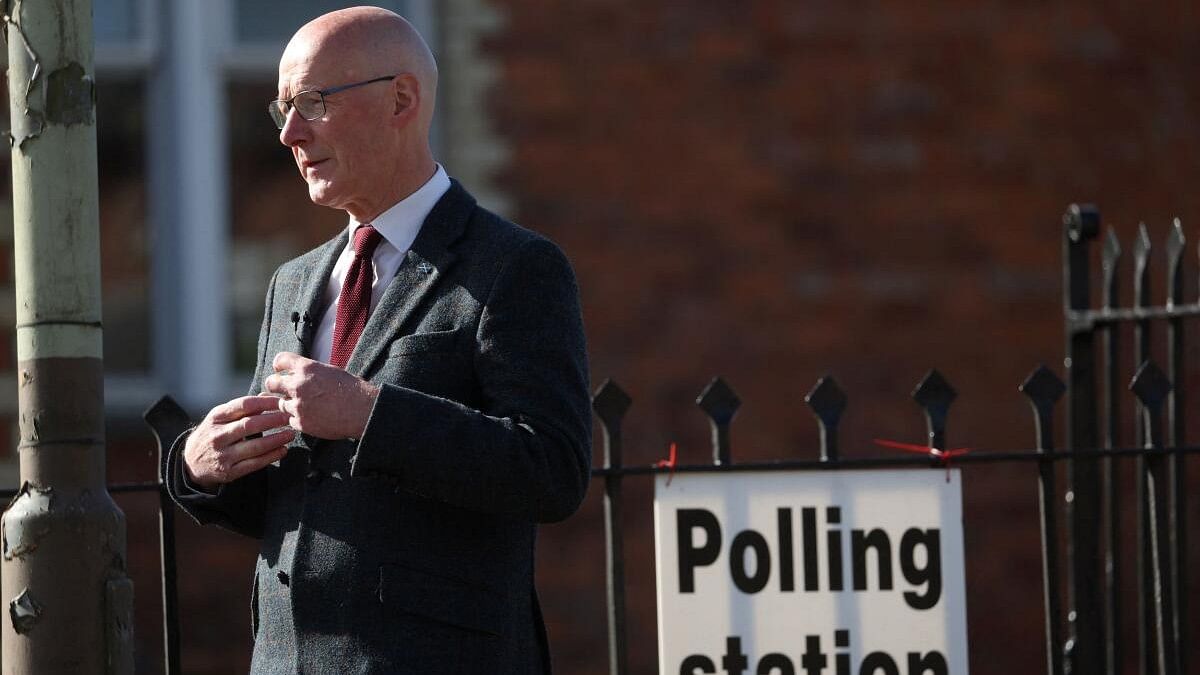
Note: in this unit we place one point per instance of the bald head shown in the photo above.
(367, 42)
(368, 146)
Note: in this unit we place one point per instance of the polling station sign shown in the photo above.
(811, 573)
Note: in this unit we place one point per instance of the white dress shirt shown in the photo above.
(399, 226)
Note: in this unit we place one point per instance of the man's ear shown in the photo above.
(406, 96)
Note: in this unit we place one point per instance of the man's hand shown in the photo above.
(321, 400)
(218, 450)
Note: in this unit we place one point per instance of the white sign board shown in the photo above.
(826, 572)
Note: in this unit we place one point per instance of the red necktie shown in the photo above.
(354, 302)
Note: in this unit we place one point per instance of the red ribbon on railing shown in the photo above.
(668, 463)
(943, 456)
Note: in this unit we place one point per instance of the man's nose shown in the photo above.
(295, 128)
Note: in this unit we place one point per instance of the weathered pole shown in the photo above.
(68, 598)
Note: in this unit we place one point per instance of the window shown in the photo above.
(274, 21)
(124, 236)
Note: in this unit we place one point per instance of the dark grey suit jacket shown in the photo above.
(411, 550)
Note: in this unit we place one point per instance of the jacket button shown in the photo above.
(283, 577)
(314, 477)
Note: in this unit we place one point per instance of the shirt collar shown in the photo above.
(400, 224)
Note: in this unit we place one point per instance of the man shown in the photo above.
(425, 378)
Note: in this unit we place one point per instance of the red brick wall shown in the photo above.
(772, 191)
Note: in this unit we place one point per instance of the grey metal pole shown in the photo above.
(68, 597)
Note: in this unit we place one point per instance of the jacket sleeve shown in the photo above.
(238, 506)
(526, 453)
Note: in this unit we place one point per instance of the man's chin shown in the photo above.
(321, 194)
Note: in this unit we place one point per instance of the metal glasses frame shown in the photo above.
(278, 109)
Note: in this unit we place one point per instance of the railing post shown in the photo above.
(1111, 503)
(1085, 649)
(720, 403)
(167, 420)
(1177, 418)
(1044, 389)
(934, 394)
(610, 404)
(1141, 354)
(827, 401)
(1152, 387)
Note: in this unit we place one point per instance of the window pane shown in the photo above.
(276, 20)
(124, 262)
(116, 21)
(273, 220)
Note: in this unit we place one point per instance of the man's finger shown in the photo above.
(242, 407)
(291, 408)
(257, 462)
(253, 424)
(287, 361)
(255, 447)
(279, 383)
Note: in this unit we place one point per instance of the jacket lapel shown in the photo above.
(309, 302)
(426, 263)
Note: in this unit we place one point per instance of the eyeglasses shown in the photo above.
(310, 104)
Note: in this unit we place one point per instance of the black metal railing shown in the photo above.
(1160, 492)
(1089, 638)
(1092, 639)
(1042, 388)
